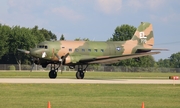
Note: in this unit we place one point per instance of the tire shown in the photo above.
(52, 74)
(79, 75)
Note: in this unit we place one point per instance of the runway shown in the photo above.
(87, 81)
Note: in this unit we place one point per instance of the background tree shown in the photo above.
(164, 63)
(84, 39)
(48, 35)
(22, 38)
(175, 60)
(17, 37)
(123, 33)
(62, 37)
(172, 62)
(4, 33)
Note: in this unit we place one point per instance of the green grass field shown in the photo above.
(89, 95)
(88, 75)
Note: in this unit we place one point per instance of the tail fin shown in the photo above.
(144, 35)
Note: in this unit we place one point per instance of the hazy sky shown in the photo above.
(97, 19)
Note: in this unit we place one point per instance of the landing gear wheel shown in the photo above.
(79, 75)
(52, 74)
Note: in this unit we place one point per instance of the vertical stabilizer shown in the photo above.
(144, 35)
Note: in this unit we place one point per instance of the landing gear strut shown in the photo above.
(53, 71)
(80, 73)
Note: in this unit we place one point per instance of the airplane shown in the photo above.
(80, 53)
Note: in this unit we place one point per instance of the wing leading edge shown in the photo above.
(114, 59)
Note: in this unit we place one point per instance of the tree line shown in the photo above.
(16, 37)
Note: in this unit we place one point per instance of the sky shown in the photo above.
(97, 19)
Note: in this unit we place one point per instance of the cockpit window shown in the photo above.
(43, 46)
(46, 47)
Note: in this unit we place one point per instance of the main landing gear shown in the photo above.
(80, 73)
(53, 71)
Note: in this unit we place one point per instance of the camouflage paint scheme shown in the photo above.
(85, 52)
(81, 53)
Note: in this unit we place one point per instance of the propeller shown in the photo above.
(61, 60)
(28, 52)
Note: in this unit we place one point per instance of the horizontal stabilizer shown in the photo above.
(114, 59)
(151, 49)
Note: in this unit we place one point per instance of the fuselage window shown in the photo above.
(83, 50)
(95, 50)
(89, 50)
(102, 50)
(70, 50)
(76, 50)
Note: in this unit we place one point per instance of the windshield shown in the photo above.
(43, 46)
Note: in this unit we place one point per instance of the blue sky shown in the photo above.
(97, 19)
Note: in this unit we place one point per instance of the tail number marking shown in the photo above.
(142, 37)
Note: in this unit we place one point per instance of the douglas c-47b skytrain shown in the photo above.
(83, 53)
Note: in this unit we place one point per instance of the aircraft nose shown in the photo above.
(34, 52)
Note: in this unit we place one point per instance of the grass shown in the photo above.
(89, 95)
(89, 75)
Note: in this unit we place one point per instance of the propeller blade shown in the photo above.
(59, 58)
(63, 59)
(24, 51)
(32, 67)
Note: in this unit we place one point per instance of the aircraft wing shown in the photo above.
(114, 59)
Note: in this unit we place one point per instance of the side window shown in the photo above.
(95, 50)
(102, 50)
(89, 50)
(76, 50)
(83, 50)
(70, 50)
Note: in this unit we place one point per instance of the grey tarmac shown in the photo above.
(88, 81)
